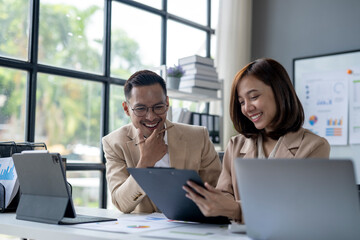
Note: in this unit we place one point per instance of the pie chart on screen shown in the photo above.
(312, 120)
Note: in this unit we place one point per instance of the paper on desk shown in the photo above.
(202, 231)
(8, 178)
(197, 232)
(132, 224)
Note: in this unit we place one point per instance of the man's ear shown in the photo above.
(126, 108)
(167, 100)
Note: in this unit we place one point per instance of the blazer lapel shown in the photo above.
(249, 149)
(131, 144)
(289, 145)
(177, 147)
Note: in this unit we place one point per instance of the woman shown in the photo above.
(267, 113)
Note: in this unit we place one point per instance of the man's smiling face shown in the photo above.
(146, 96)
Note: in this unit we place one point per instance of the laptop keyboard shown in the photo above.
(84, 219)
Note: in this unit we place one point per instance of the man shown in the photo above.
(145, 143)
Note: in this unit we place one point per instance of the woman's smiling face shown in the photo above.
(257, 102)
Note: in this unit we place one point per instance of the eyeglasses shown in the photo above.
(141, 111)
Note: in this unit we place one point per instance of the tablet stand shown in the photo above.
(46, 196)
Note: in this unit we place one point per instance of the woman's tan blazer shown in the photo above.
(300, 144)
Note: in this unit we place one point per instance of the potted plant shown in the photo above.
(173, 76)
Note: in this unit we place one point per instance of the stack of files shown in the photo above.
(211, 122)
(200, 76)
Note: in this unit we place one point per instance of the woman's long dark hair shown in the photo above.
(290, 113)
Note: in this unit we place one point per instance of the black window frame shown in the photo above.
(33, 68)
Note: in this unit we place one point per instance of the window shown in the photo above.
(134, 44)
(63, 64)
(178, 36)
(71, 34)
(68, 112)
(85, 187)
(195, 10)
(117, 116)
(12, 104)
(14, 37)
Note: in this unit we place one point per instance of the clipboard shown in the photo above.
(164, 188)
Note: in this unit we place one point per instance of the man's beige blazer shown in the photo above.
(189, 147)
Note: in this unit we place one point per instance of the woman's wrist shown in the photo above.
(233, 211)
(237, 214)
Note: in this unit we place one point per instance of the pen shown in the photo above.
(161, 131)
(142, 141)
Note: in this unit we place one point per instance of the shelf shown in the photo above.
(176, 94)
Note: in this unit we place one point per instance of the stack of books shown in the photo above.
(200, 76)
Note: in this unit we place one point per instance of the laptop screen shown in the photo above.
(299, 198)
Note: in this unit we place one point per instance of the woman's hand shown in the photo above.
(211, 201)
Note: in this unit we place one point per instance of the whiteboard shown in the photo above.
(328, 87)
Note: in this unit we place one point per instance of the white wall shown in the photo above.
(288, 29)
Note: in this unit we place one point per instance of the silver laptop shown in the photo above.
(299, 199)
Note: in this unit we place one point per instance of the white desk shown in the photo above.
(9, 225)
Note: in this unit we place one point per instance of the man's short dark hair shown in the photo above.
(143, 78)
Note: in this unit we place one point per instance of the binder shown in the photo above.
(195, 119)
(204, 120)
(211, 122)
(210, 126)
(7, 149)
(216, 132)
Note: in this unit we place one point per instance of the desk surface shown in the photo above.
(9, 225)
